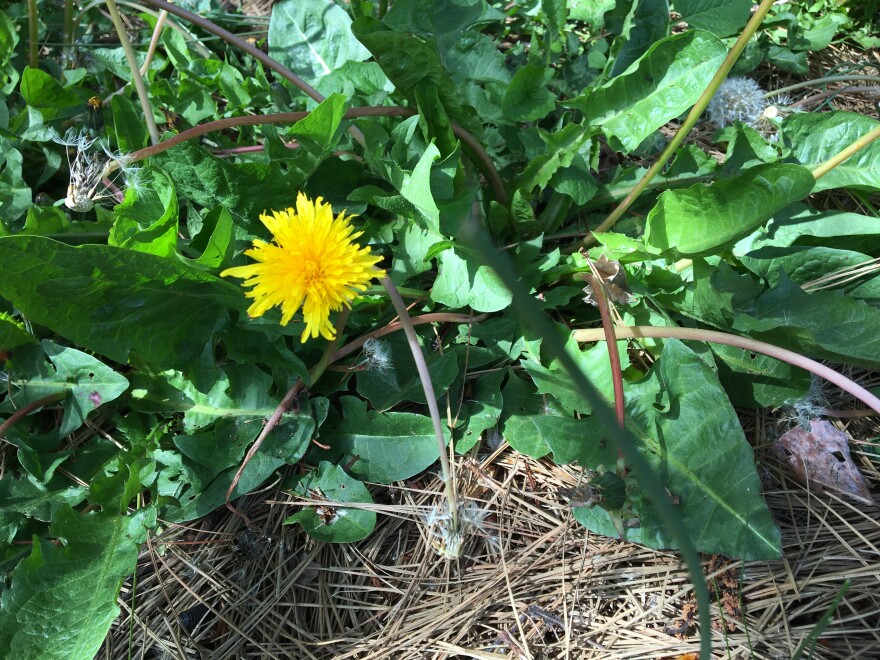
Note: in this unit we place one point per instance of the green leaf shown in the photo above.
(128, 124)
(382, 447)
(40, 90)
(333, 524)
(63, 597)
(753, 380)
(562, 147)
(400, 381)
(116, 301)
(658, 87)
(13, 333)
(721, 17)
(703, 219)
(214, 241)
(23, 497)
(245, 190)
(317, 136)
(815, 137)
(147, 219)
(461, 282)
(312, 38)
(527, 97)
(690, 434)
(15, 195)
(89, 383)
(645, 24)
(800, 224)
(555, 381)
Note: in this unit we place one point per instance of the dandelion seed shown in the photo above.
(313, 263)
(737, 99)
(376, 352)
(90, 168)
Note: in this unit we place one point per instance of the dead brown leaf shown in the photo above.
(821, 457)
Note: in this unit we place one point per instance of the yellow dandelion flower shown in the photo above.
(313, 263)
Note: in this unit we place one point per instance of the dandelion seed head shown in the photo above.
(737, 99)
(377, 354)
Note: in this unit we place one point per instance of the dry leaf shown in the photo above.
(614, 279)
(821, 458)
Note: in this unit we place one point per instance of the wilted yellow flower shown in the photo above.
(313, 263)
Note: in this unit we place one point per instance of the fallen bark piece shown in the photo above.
(820, 457)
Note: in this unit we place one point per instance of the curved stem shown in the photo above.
(818, 82)
(437, 317)
(136, 77)
(686, 126)
(715, 337)
(481, 158)
(428, 387)
(29, 408)
(241, 44)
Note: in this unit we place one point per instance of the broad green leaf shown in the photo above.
(562, 147)
(22, 496)
(527, 97)
(754, 380)
(800, 263)
(199, 485)
(89, 384)
(13, 333)
(128, 123)
(479, 411)
(316, 135)
(554, 380)
(381, 447)
(822, 324)
(333, 524)
(147, 220)
(416, 188)
(815, 137)
(690, 433)
(15, 195)
(41, 90)
(408, 60)
(214, 240)
(400, 381)
(245, 190)
(63, 597)
(646, 23)
(658, 87)
(800, 224)
(721, 17)
(313, 38)
(704, 219)
(461, 283)
(116, 301)
(444, 19)
(8, 40)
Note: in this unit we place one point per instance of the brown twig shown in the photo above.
(33, 405)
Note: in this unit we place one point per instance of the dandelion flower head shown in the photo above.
(313, 262)
(737, 99)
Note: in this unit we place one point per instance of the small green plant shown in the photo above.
(405, 143)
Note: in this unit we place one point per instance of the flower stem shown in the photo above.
(715, 337)
(818, 82)
(478, 155)
(428, 387)
(686, 126)
(135, 71)
(33, 44)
